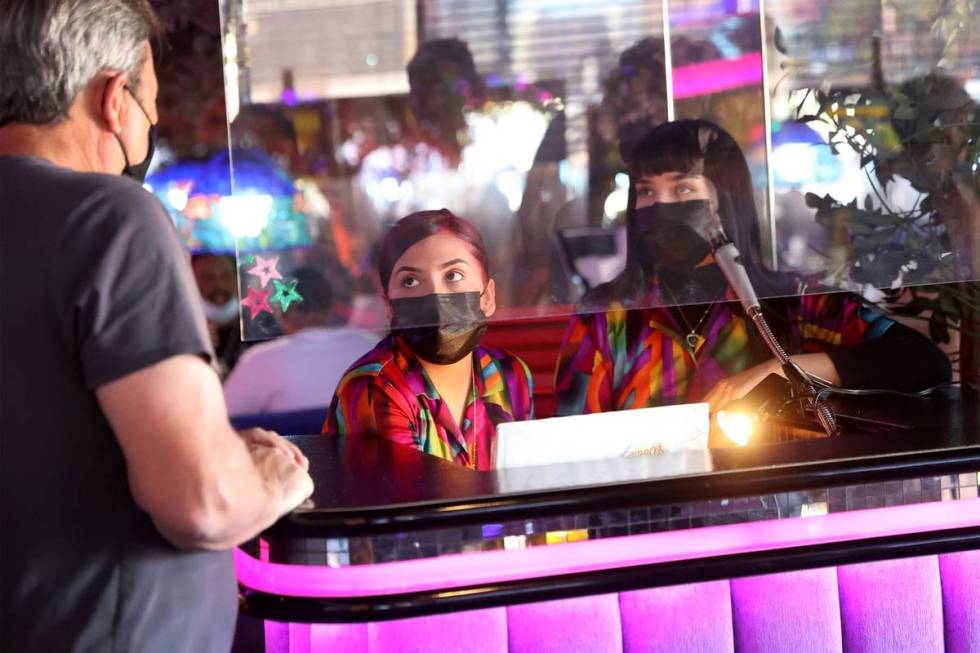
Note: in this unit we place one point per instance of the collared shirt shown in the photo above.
(637, 358)
(387, 393)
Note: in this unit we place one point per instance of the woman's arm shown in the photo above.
(523, 388)
(738, 385)
(900, 359)
(875, 353)
(583, 376)
(870, 350)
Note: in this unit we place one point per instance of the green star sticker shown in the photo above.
(286, 294)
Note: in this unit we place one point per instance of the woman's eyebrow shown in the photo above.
(677, 176)
(406, 268)
(455, 261)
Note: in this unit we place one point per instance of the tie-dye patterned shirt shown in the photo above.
(637, 358)
(388, 394)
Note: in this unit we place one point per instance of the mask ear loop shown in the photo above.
(483, 293)
(129, 89)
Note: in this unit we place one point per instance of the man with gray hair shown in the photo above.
(123, 484)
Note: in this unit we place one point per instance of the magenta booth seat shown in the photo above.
(923, 604)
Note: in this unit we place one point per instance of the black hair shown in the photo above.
(698, 147)
(704, 148)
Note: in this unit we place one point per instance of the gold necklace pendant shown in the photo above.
(692, 340)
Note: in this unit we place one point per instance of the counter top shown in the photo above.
(371, 486)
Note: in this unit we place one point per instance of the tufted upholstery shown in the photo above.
(921, 604)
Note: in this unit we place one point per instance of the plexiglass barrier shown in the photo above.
(590, 157)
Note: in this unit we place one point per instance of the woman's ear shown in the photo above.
(488, 302)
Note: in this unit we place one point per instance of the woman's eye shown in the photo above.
(454, 276)
(409, 282)
(644, 192)
(684, 190)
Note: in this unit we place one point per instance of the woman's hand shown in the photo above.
(730, 389)
(736, 387)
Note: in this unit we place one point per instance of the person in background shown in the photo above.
(668, 330)
(122, 484)
(217, 283)
(430, 385)
(300, 370)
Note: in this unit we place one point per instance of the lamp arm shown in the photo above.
(802, 384)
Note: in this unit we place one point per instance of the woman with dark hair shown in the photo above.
(430, 384)
(667, 330)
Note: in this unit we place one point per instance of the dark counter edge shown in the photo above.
(397, 606)
(369, 521)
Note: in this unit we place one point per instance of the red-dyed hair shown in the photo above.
(419, 226)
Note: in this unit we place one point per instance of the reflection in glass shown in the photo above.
(492, 111)
(514, 115)
(872, 105)
(520, 117)
(667, 331)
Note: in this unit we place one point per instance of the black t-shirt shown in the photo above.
(94, 285)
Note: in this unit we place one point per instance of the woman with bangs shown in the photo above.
(430, 384)
(668, 330)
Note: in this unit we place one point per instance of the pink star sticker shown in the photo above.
(265, 269)
(257, 301)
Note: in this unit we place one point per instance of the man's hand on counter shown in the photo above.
(256, 437)
(282, 470)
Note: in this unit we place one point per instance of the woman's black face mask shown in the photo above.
(441, 328)
(671, 236)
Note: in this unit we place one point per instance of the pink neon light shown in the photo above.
(716, 76)
(460, 570)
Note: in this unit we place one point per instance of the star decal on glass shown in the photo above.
(257, 302)
(286, 294)
(265, 269)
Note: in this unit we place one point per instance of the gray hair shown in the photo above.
(51, 49)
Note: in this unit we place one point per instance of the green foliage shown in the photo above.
(925, 130)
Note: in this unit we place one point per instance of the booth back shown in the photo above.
(921, 604)
(296, 422)
(536, 341)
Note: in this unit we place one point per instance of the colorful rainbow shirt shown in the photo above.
(388, 394)
(626, 358)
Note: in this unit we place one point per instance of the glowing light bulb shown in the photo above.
(737, 426)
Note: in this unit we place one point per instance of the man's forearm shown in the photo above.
(200, 482)
(238, 501)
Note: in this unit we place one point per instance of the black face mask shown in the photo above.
(139, 170)
(671, 236)
(441, 328)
